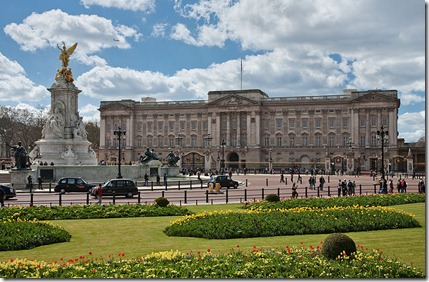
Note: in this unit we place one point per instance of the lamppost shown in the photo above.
(222, 161)
(382, 134)
(350, 156)
(119, 133)
(179, 148)
(208, 140)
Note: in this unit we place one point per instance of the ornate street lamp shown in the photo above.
(222, 161)
(208, 140)
(119, 133)
(383, 135)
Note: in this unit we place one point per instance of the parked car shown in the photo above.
(224, 180)
(73, 184)
(9, 192)
(121, 186)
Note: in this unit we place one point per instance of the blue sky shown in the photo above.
(181, 50)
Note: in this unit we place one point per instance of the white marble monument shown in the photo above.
(64, 138)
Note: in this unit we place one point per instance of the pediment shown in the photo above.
(373, 97)
(114, 106)
(233, 100)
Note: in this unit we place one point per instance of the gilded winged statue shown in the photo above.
(65, 54)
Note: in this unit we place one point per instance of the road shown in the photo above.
(252, 187)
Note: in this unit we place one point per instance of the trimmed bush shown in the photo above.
(336, 244)
(161, 202)
(272, 198)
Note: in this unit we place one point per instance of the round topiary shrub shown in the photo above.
(335, 244)
(161, 202)
(272, 198)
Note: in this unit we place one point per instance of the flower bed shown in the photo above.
(285, 262)
(90, 211)
(19, 234)
(364, 200)
(306, 220)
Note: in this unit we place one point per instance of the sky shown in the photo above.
(181, 50)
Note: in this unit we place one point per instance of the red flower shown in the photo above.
(12, 260)
(89, 253)
(198, 258)
(61, 258)
(123, 254)
(95, 270)
(381, 258)
(254, 247)
(238, 246)
(208, 250)
(287, 247)
(301, 243)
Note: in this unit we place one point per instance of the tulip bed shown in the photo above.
(281, 222)
(22, 234)
(361, 200)
(90, 211)
(284, 262)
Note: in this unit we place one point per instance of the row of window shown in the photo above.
(267, 141)
(149, 126)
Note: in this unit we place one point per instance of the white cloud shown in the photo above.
(411, 126)
(133, 5)
(94, 33)
(89, 112)
(15, 86)
(158, 30)
(411, 98)
(351, 29)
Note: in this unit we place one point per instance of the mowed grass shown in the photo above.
(135, 237)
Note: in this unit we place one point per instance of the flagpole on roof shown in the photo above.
(241, 74)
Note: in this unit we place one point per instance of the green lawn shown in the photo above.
(139, 236)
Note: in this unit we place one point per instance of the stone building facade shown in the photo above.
(248, 129)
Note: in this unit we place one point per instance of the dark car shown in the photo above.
(225, 181)
(9, 192)
(121, 187)
(73, 184)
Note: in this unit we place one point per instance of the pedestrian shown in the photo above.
(99, 194)
(30, 182)
(282, 178)
(391, 186)
(344, 187)
(1, 198)
(322, 182)
(422, 188)
(39, 182)
(403, 186)
(340, 185)
(294, 192)
(158, 180)
(146, 179)
(350, 187)
(165, 179)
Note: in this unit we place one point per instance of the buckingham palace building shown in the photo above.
(246, 129)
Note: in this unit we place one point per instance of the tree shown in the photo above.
(93, 131)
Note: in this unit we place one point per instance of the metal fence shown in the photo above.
(181, 194)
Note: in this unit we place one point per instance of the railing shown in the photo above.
(186, 196)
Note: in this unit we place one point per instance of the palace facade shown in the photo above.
(248, 129)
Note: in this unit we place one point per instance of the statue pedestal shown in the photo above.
(64, 138)
(170, 170)
(66, 152)
(19, 178)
